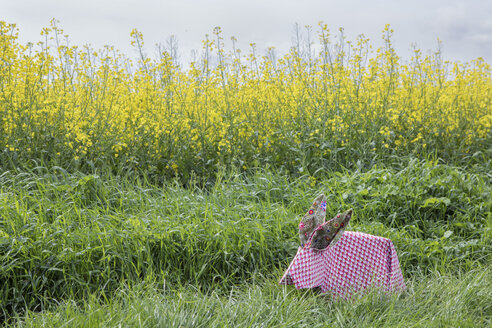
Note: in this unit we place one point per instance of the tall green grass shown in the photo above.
(67, 236)
(451, 300)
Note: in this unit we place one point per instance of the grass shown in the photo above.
(433, 300)
(67, 237)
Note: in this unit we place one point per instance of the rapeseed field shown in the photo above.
(345, 101)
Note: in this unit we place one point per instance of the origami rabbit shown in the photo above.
(312, 219)
(341, 265)
(331, 231)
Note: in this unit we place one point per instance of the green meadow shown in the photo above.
(101, 250)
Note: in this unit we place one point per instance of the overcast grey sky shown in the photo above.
(465, 27)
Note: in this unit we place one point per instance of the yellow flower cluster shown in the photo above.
(230, 108)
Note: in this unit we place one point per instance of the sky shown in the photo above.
(464, 27)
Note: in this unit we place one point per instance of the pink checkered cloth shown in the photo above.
(354, 264)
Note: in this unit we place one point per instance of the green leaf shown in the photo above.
(436, 201)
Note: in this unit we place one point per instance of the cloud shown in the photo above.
(466, 28)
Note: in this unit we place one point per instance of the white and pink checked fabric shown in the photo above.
(356, 263)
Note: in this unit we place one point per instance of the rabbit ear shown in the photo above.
(316, 204)
(313, 218)
(318, 201)
(321, 210)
